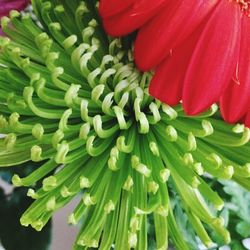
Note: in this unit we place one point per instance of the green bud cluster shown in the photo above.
(72, 100)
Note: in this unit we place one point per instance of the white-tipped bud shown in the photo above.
(97, 92)
(72, 219)
(17, 181)
(112, 163)
(144, 124)
(154, 148)
(9, 141)
(38, 131)
(84, 182)
(62, 151)
(120, 117)
(69, 41)
(246, 169)
(164, 174)
(38, 225)
(49, 183)
(88, 200)
(110, 206)
(65, 192)
(64, 119)
(107, 103)
(139, 167)
(13, 120)
(195, 182)
(163, 211)
(214, 158)
(169, 111)
(51, 204)
(207, 127)
(132, 240)
(228, 172)
(25, 221)
(188, 159)
(198, 168)
(156, 114)
(153, 187)
(128, 183)
(31, 193)
(171, 133)
(124, 100)
(36, 153)
(238, 128)
(191, 142)
(114, 152)
(57, 137)
(84, 131)
(84, 111)
(134, 223)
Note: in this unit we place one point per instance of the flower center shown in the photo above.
(245, 6)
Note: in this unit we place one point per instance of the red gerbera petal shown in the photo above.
(133, 17)
(109, 8)
(167, 83)
(214, 59)
(247, 119)
(174, 24)
(236, 100)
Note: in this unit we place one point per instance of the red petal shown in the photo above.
(109, 8)
(214, 59)
(174, 24)
(134, 17)
(236, 100)
(167, 83)
(247, 119)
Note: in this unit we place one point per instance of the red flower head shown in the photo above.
(7, 5)
(199, 49)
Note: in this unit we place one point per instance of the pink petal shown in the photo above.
(7, 6)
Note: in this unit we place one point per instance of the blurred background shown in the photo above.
(63, 234)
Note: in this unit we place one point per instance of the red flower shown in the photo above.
(199, 49)
(7, 5)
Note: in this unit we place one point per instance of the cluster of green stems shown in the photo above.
(72, 100)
